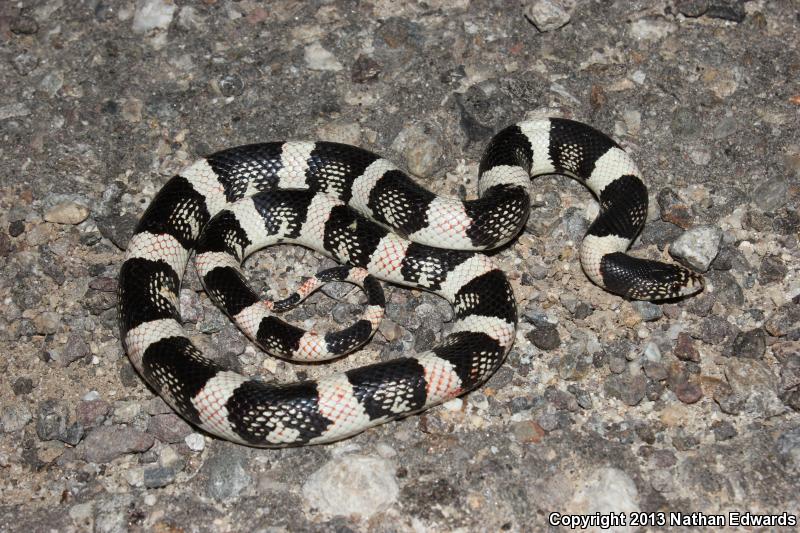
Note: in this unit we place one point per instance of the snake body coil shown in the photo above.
(362, 211)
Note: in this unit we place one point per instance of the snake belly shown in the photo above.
(360, 209)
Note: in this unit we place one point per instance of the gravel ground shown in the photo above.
(603, 405)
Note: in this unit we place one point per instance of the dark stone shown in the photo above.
(647, 310)
(686, 391)
(128, 375)
(785, 319)
(656, 371)
(168, 428)
(617, 364)
(729, 402)
(682, 441)
(716, 330)
(544, 338)
(792, 399)
(521, 403)
(582, 310)
(424, 338)
(117, 228)
(660, 233)
(692, 8)
(626, 387)
(91, 413)
(622, 348)
(772, 270)
(673, 211)
(158, 476)
(16, 228)
(25, 63)
(684, 348)
(726, 289)
(730, 258)
(51, 265)
(751, 344)
(685, 125)
(561, 399)
(646, 433)
(583, 398)
(74, 434)
(501, 378)
(231, 85)
(51, 420)
(365, 70)
(76, 348)
(399, 32)
(701, 304)
(104, 284)
(654, 390)
(723, 430)
(96, 302)
(663, 458)
(790, 368)
(787, 222)
(22, 386)
(5, 245)
(727, 10)
(24, 25)
(757, 221)
(106, 443)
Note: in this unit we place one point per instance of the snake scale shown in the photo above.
(365, 213)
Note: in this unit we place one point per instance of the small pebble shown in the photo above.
(544, 338)
(195, 441)
(697, 247)
(772, 270)
(750, 344)
(153, 14)
(527, 431)
(547, 15)
(67, 213)
(684, 348)
(318, 58)
(22, 386)
(723, 430)
(228, 474)
(630, 388)
(647, 310)
(158, 476)
(105, 443)
(14, 417)
(51, 420)
(168, 428)
(686, 391)
(353, 485)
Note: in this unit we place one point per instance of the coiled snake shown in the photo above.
(363, 212)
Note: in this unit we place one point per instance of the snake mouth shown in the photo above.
(693, 285)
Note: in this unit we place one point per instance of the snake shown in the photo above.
(376, 221)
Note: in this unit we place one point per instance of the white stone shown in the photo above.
(352, 485)
(604, 491)
(67, 213)
(697, 246)
(195, 441)
(651, 30)
(152, 14)
(318, 58)
(548, 15)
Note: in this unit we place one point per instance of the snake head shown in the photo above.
(644, 279)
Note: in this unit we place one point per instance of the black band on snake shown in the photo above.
(359, 209)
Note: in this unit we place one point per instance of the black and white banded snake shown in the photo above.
(363, 212)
